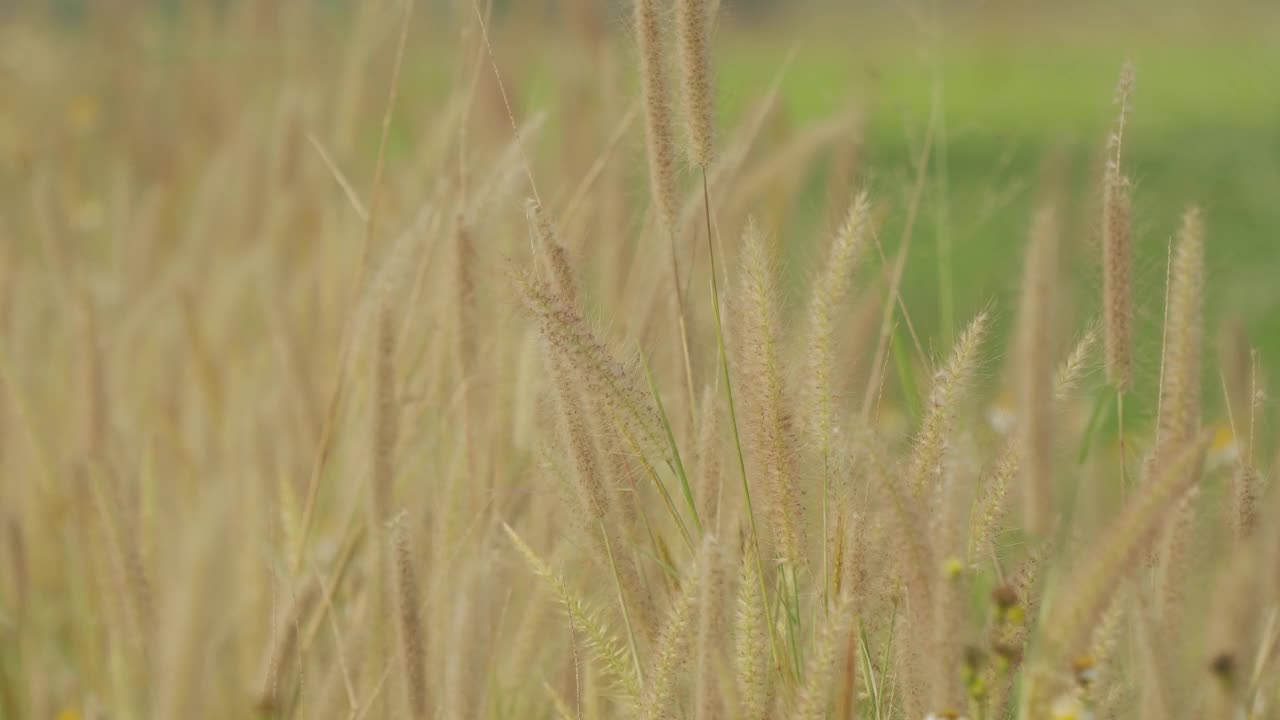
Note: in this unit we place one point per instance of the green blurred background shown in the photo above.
(1021, 97)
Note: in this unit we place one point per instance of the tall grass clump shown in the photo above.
(323, 398)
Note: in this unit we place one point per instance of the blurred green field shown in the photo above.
(1024, 110)
(1021, 121)
(1024, 104)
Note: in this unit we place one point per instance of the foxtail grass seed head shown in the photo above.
(412, 642)
(751, 643)
(813, 699)
(694, 23)
(551, 252)
(950, 383)
(1074, 367)
(672, 648)
(1124, 101)
(1245, 487)
(578, 436)
(651, 38)
(1117, 248)
(1184, 337)
(766, 400)
(711, 627)
(611, 384)
(1117, 280)
(831, 286)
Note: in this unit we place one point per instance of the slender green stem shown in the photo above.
(884, 661)
(907, 378)
(666, 500)
(1095, 422)
(626, 616)
(873, 688)
(657, 483)
(677, 465)
(684, 332)
(1124, 475)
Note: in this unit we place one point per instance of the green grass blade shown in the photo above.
(1101, 410)
(907, 377)
(677, 463)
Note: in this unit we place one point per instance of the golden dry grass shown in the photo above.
(323, 398)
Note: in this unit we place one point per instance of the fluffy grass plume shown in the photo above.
(1117, 247)
(651, 39)
(751, 643)
(765, 407)
(707, 701)
(925, 465)
(553, 254)
(814, 697)
(613, 383)
(710, 468)
(694, 25)
(830, 288)
(1179, 407)
(410, 628)
(678, 637)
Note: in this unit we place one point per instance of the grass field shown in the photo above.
(886, 362)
